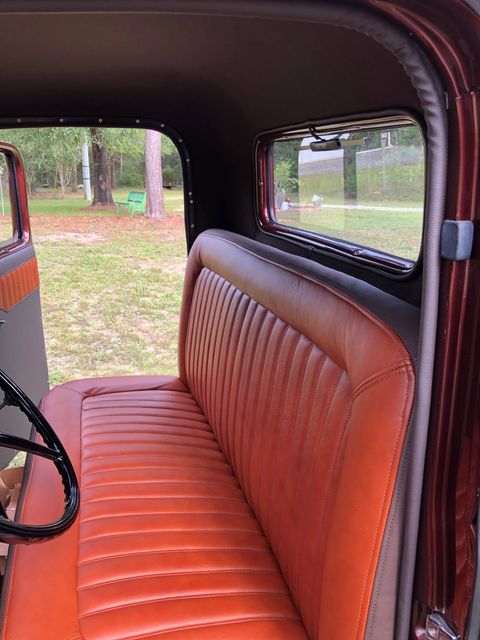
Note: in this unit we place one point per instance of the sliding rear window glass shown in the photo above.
(363, 184)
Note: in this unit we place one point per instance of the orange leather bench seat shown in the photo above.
(248, 498)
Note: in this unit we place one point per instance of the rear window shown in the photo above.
(361, 184)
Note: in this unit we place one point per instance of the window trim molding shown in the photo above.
(368, 257)
(21, 236)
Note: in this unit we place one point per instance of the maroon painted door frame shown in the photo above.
(449, 32)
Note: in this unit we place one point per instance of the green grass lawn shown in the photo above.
(75, 204)
(111, 287)
(395, 232)
(398, 232)
(395, 183)
(111, 292)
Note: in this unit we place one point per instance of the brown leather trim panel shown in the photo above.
(17, 284)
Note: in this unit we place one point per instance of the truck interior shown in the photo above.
(283, 485)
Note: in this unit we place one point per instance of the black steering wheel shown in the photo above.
(14, 532)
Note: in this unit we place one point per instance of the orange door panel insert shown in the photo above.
(17, 284)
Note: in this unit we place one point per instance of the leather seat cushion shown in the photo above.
(165, 544)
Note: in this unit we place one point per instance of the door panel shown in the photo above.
(22, 344)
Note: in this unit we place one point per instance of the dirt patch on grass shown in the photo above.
(78, 238)
(109, 227)
(175, 267)
(99, 207)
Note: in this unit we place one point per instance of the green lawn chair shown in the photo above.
(135, 202)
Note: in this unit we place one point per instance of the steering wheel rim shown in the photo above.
(17, 533)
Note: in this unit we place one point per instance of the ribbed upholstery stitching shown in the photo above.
(280, 381)
(262, 447)
(109, 484)
(175, 497)
(153, 552)
(212, 346)
(147, 468)
(315, 379)
(240, 400)
(237, 434)
(228, 380)
(226, 441)
(255, 418)
(318, 441)
(137, 603)
(226, 310)
(111, 495)
(154, 576)
(195, 530)
(188, 532)
(398, 368)
(214, 624)
(319, 283)
(165, 513)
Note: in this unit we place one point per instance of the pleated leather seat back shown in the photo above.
(309, 395)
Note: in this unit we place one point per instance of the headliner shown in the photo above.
(189, 70)
(219, 80)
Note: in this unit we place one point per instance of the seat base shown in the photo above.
(165, 544)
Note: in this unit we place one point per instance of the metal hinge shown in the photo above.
(437, 628)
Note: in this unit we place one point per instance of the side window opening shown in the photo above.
(360, 184)
(107, 217)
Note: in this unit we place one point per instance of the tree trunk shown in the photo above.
(350, 175)
(153, 175)
(74, 184)
(61, 177)
(113, 173)
(102, 187)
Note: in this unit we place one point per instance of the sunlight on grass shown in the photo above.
(111, 289)
(395, 232)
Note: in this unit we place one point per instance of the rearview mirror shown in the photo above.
(335, 144)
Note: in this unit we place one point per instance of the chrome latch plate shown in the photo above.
(438, 629)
